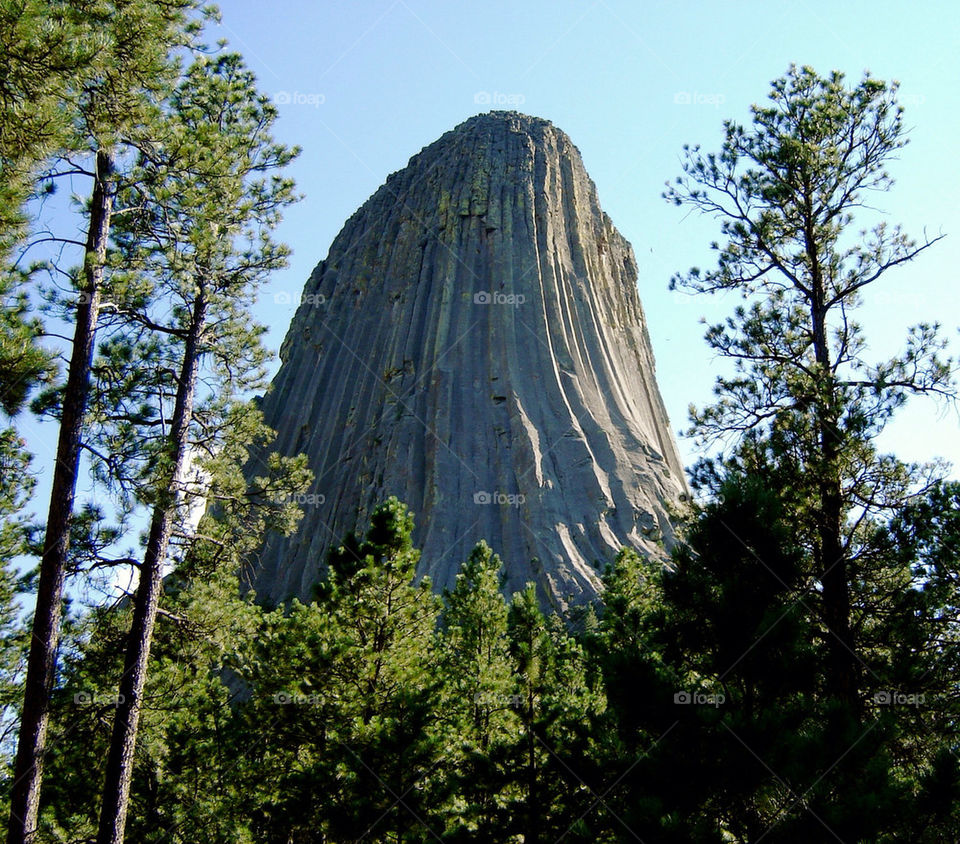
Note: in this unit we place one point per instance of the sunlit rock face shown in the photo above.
(474, 344)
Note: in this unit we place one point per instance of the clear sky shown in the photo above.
(362, 86)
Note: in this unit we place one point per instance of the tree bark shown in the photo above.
(41, 662)
(843, 676)
(116, 790)
(532, 816)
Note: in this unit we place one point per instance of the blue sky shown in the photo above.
(362, 86)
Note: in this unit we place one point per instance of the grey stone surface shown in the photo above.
(474, 344)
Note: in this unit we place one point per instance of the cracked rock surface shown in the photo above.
(474, 344)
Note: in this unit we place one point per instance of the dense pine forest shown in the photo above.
(786, 672)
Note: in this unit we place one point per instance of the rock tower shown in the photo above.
(474, 344)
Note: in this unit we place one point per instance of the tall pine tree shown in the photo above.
(110, 100)
(209, 193)
(786, 190)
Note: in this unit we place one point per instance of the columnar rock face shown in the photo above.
(474, 344)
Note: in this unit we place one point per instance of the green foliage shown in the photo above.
(344, 693)
(76, 76)
(720, 714)
(188, 261)
(478, 704)
(22, 365)
(14, 637)
(798, 588)
(649, 786)
(40, 49)
(548, 764)
(912, 648)
(185, 758)
(786, 191)
(695, 708)
(189, 747)
(22, 362)
(804, 404)
(371, 713)
(81, 80)
(475, 654)
(196, 244)
(15, 488)
(739, 630)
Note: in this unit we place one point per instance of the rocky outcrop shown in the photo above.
(474, 344)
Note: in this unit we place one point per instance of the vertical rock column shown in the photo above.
(474, 344)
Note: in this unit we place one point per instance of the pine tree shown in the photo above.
(385, 625)
(23, 365)
(208, 198)
(343, 697)
(737, 632)
(110, 100)
(190, 745)
(786, 191)
(45, 48)
(654, 792)
(804, 407)
(187, 748)
(912, 647)
(479, 700)
(722, 723)
(547, 765)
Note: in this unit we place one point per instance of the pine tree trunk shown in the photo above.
(41, 663)
(116, 790)
(532, 808)
(842, 675)
(835, 576)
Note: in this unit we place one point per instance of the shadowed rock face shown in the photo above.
(475, 345)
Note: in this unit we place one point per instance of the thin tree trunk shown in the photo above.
(843, 676)
(835, 579)
(41, 663)
(116, 790)
(531, 807)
